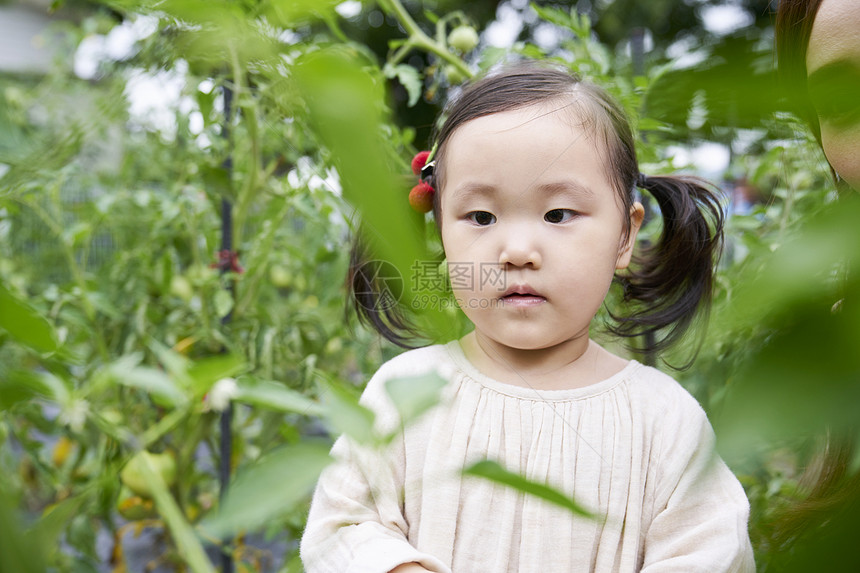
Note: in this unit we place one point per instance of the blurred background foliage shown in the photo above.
(123, 336)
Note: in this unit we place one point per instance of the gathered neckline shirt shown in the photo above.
(635, 449)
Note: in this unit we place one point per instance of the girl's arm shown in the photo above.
(700, 509)
(356, 521)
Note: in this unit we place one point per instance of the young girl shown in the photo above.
(534, 174)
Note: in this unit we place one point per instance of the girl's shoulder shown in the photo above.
(664, 402)
(415, 362)
(660, 387)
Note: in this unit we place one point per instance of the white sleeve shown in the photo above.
(356, 522)
(701, 510)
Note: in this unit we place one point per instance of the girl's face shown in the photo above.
(532, 229)
(833, 67)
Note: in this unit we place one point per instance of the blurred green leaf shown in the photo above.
(52, 523)
(21, 385)
(268, 488)
(802, 269)
(158, 384)
(275, 396)
(553, 15)
(290, 13)
(345, 101)
(206, 371)
(223, 302)
(347, 416)
(804, 379)
(13, 392)
(25, 324)
(412, 396)
(713, 84)
(21, 551)
(494, 472)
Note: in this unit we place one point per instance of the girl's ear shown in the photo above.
(625, 248)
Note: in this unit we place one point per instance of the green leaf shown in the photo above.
(216, 180)
(21, 385)
(553, 15)
(494, 472)
(293, 12)
(56, 518)
(347, 416)
(175, 363)
(25, 324)
(409, 77)
(412, 396)
(223, 302)
(651, 124)
(22, 551)
(206, 371)
(344, 99)
(269, 488)
(77, 233)
(275, 396)
(158, 384)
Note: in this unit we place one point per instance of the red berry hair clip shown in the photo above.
(421, 196)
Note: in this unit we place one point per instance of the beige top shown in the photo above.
(635, 448)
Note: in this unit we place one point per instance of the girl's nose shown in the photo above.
(520, 251)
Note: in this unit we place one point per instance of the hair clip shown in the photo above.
(427, 170)
(421, 196)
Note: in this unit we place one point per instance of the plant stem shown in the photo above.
(419, 39)
(193, 234)
(401, 53)
(264, 243)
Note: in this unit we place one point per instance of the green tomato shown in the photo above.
(113, 416)
(454, 75)
(311, 301)
(280, 277)
(181, 287)
(131, 475)
(463, 38)
(134, 507)
(334, 345)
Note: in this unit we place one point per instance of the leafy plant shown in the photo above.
(114, 348)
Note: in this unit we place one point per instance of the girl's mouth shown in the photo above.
(523, 300)
(522, 296)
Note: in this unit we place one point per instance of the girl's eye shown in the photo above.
(559, 216)
(481, 218)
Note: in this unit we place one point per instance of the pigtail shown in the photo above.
(374, 297)
(673, 278)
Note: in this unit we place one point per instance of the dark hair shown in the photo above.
(794, 21)
(668, 282)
